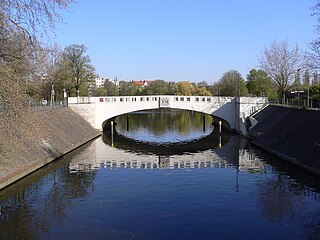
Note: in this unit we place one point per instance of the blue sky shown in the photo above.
(182, 40)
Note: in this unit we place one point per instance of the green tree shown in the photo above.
(202, 91)
(315, 95)
(79, 65)
(158, 87)
(214, 89)
(259, 84)
(100, 92)
(128, 89)
(232, 84)
(185, 88)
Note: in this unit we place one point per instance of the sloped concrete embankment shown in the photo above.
(291, 134)
(52, 134)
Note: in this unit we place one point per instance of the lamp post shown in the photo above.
(308, 92)
(52, 95)
(64, 97)
(238, 87)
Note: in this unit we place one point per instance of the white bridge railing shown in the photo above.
(164, 100)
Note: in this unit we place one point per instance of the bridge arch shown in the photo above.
(111, 107)
(215, 119)
(96, 110)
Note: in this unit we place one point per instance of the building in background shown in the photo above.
(100, 81)
(141, 83)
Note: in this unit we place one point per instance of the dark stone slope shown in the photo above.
(48, 135)
(292, 134)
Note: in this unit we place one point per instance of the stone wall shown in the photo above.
(47, 135)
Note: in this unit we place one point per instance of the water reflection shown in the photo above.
(46, 201)
(125, 188)
(126, 153)
(31, 207)
(146, 156)
(209, 141)
(164, 126)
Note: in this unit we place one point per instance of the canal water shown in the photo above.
(163, 175)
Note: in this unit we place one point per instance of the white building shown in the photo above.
(100, 81)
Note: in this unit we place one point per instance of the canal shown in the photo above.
(163, 175)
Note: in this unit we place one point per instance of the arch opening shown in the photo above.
(106, 125)
(164, 126)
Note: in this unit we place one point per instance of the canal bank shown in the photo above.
(290, 134)
(44, 137)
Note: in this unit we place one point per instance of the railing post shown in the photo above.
(204, 123)
(127, 122)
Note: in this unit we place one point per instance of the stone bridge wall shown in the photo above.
(96, 110)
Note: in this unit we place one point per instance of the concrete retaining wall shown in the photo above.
(28, 147)
(291, 134)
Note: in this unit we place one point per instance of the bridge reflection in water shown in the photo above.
(212, 151)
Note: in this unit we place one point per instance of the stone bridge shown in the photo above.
(233, 111)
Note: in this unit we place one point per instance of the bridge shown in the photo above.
(233, 111)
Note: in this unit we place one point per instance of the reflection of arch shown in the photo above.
(200, 153)
(210, 141)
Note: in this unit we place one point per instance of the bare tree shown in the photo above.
(53, 70)
(21, 21)
(21, 54)
(281, 63)
(111, 88)
(30, 17)
(79, 64)
(313, 56)
(316, 12)
(18, 67)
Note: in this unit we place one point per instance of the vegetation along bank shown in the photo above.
(39, 138)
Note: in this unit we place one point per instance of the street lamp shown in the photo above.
(64, 97)
(308, 96)
(52, 94)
